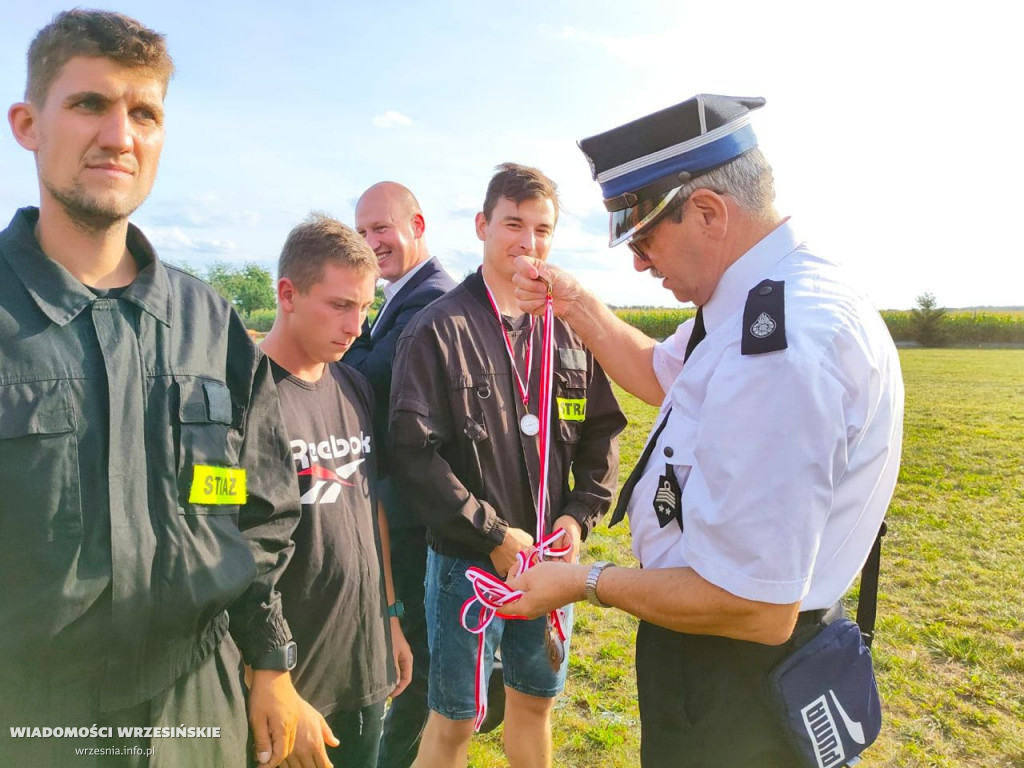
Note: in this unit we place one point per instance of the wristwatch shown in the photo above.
(397, 609)
(282, 658)
(591, 585)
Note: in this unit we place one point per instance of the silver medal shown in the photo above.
(530, 424)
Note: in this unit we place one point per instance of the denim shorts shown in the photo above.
(453, 650)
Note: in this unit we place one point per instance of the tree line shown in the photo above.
(251, 290)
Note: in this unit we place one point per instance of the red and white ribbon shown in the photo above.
(491, 593)
(524, 387)
(493, 597)
(547, 371)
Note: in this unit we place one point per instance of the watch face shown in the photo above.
(291, 655)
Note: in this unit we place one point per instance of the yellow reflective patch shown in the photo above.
(217, 485)
(572, 409)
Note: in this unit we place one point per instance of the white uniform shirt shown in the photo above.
(787, 460)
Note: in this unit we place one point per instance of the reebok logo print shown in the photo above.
(327, 483)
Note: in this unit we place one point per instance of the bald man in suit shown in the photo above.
(389, 217)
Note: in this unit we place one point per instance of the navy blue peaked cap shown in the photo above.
(641, 165)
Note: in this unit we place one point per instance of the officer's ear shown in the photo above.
(711, 211)
(22, 117)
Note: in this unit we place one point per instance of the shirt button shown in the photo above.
(669, 452)
(764, 290)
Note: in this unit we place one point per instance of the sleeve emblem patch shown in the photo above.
(572, 409)
(217, 485)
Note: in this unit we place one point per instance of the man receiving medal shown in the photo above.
(467, 438)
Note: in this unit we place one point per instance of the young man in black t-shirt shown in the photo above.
(337, 591)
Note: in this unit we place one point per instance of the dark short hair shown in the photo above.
(95, 34)
(519, 183)
(318, 241)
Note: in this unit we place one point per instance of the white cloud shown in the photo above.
(175, 239)
(390, 119)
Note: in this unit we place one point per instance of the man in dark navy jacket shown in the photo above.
(389, 217)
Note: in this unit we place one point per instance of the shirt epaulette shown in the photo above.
(764, 318)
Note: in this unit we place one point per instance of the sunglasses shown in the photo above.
(637, 242)
(636, 245)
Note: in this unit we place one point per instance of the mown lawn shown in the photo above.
(949, 650)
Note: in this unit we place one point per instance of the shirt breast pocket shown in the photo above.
(471, 397)
(40, 493)
(207, 439)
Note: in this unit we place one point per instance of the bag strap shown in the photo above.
(867, 602)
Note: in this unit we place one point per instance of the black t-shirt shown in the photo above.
(333, 590)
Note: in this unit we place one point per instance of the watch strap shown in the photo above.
(591, 583)
(283, 658)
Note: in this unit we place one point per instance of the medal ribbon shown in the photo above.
(524, 389)
(490, 592)
(493, 596)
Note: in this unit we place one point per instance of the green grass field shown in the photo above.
(949, 648)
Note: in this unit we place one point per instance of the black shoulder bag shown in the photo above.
(825, 692)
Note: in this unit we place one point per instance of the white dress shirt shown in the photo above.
(786, 460)
(393, 288)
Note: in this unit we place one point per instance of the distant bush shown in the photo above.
(929, 321)
(260, 320)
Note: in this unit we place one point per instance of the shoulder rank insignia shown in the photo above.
(764, 318)
(668, 499)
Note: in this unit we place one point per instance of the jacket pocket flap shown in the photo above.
(36, 408)
(204, 401)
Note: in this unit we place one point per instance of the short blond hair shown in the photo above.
(318, 241)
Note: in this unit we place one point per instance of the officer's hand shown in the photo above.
(503, 556)
(273, 713)
(547, 586)
(574, 532)
(311, 734)
(532, 279)
(403, 657)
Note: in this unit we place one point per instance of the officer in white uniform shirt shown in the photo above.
(776, 451)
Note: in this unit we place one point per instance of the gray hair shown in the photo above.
(747, 180)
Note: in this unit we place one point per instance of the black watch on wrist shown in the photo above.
(396, 610)
(282, 658)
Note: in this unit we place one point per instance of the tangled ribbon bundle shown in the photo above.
(494, 597)
(493, 594)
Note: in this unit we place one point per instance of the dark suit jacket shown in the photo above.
(374, 356)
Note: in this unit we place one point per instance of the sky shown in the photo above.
(889, 125)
